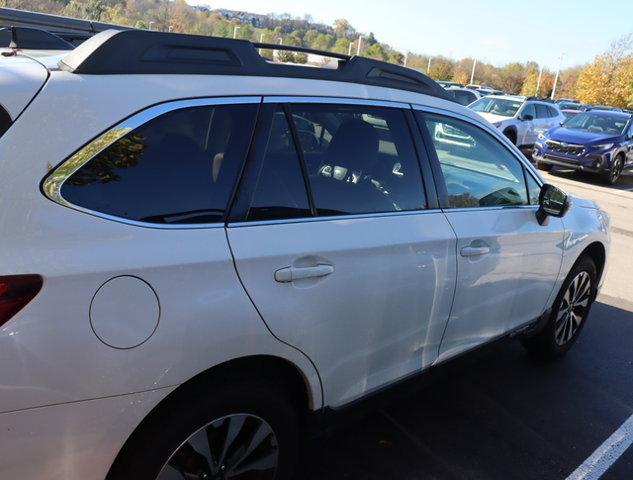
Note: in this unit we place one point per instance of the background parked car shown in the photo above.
(598, 141)
(464, 96)
(520, 119)
(567, 100)
(567, 105)
(608, 108)
(448, 84)
(570, 113)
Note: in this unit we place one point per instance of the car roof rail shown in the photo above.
(146, 52)
(73, 30)
(27, 38)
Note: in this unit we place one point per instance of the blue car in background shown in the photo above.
(596, 141)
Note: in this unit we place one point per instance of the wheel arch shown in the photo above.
(512, 129)
(598, 253)
(276, 371)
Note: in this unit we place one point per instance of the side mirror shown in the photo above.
(553, 202)
(527, 117)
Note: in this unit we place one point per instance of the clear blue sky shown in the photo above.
(495, 31)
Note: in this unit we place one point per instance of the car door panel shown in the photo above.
(377, 317)
(365, 293)
(507, 263)
(508, 286)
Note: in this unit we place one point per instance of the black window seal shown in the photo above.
(299, 149)
(434, 161)
(423, 161)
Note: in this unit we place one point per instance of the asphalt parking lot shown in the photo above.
(500, 414)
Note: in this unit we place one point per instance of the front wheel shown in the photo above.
(236, 431)
(612, 176)
(569, 312)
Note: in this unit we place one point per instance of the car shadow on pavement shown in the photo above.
(496, 414)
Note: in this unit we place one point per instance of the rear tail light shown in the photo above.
(15, 292)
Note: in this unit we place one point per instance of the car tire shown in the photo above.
(184, 437)
(613, 175)
(568, 315)
(511, 135)
(546, 167)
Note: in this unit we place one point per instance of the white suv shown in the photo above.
(203, 252)
(521, 119)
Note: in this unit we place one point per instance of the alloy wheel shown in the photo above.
(233, 447)
(616, 170)
(573, 308)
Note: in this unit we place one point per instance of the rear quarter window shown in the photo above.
(178, 168)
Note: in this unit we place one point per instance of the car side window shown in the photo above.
(534, 189)
(280, 191)
(552, 112)
(464, 98)
(541, 111)
(359, 159)
(528, 110)
(478, 170)
(178, 168)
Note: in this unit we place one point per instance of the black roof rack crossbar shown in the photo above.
(312, 51)
(28, 38)
(146, 52)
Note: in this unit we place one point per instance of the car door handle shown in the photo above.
(474, 251)
(290, 274)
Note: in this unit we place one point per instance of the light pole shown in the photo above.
(428, 66)
(235, 29)
(406, 58)
(560, 61)
(261, 40)
(150, 25)
(538, 82)
(360, 42)
(472, 73)
(349, 50)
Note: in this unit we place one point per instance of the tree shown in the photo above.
(511, 77)
(342, 28)
(341, 46)
(608, 79)
(86, 9)
(441, 68)
(462, 70)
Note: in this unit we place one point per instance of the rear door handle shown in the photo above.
(290, 274)
(474, 251)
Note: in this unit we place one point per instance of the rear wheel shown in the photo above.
(544, 166)
(569, 312)
(240, 431)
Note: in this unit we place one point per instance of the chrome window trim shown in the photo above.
(489, 129)
(54, 181)
(329, 218)
(494, 207)
(335, 100)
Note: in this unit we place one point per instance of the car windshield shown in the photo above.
(497, 106)
(597, 123)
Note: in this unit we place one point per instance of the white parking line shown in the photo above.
(606, 454)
